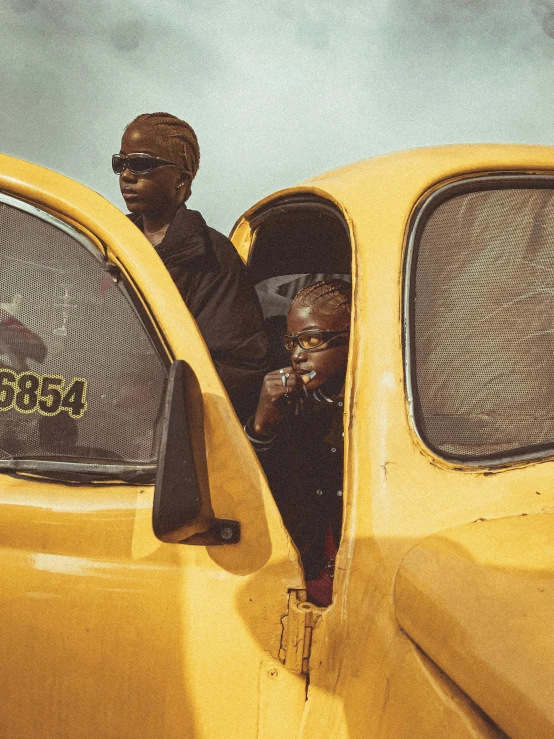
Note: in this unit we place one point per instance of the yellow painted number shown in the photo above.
(27, 392)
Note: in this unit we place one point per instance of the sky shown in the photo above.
(276, 90)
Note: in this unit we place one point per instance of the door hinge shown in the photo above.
(296, 639)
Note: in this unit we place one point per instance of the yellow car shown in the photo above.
(148, 587)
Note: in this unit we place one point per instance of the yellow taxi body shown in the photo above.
(443, 592)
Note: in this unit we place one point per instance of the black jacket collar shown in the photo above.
(186, 238)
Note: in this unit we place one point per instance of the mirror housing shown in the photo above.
(182, 512)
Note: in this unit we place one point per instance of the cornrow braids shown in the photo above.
(180, 136)
(327, 297)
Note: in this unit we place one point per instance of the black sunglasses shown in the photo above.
(311, 339)
(139, 163)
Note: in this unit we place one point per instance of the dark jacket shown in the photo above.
(304, 469)
(214, 284)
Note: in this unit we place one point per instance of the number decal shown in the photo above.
(7, 392)
(50, 389)
(74, 399)
(26, 399)
(48, 394)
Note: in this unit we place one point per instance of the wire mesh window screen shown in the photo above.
(80, 378)
(483, 324)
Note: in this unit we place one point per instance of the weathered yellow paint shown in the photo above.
(174, 641)
(488, 588)
(396, 491)
(113, 633)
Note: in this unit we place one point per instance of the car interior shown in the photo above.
(297, 241)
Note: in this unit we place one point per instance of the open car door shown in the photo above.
(108, 631)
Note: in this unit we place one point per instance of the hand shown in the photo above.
(278, 390)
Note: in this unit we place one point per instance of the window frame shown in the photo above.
(88, 471)
(297, 204)
(423, 211)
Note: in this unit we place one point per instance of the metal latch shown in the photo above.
(296, 640)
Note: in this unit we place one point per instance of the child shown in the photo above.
(156, 165)
(297, 429)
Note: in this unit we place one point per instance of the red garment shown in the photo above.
(320, 590)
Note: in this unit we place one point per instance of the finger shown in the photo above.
(294, 382)
(287, 384)
(308, 377)
(275, 389)
(277, 374)
(292, 390)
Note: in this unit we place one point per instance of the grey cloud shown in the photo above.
(547, 24)
(128, 36)
(277, 91)
(23, 6)
(543, 10)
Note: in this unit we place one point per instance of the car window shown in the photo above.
(481, 317)
(80, 377)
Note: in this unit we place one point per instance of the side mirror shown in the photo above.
(182, 512)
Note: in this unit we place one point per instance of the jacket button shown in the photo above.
(339, 493)
(333, 449)
(319, 491)
(340, 405)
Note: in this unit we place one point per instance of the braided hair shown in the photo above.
(328, 297)
(179, 134)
